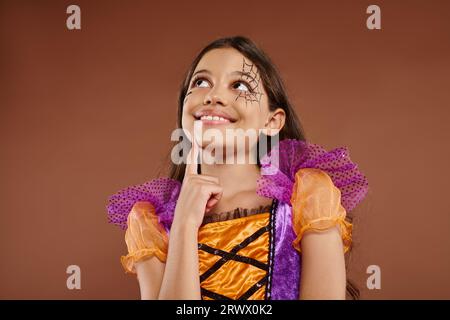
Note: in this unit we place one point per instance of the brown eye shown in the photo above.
(240, 85)
(197, 82)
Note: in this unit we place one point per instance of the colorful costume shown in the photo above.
(250, 254)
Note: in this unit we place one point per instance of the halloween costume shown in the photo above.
(250, 253)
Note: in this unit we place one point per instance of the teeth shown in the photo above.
(214, 118)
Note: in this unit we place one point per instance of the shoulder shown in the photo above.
(291, 162)
(158, 195)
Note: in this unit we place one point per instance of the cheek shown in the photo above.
(190, 102)
(187, 122)
(253, 117)
(253, 114)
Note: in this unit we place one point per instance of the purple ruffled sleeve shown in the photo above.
(277, 182)
(162, 193)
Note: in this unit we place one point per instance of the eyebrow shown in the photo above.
(232, 73)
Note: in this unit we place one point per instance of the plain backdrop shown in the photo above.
(85, 113)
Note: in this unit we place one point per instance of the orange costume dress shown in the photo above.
(252, 254)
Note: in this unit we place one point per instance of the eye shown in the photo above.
(241, 85)
(197, 82)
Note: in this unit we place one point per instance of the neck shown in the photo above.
(233, 178)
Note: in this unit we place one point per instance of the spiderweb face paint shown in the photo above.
(251, 75)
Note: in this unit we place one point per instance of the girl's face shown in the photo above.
(226, 92)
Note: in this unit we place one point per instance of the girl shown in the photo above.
(242, 231)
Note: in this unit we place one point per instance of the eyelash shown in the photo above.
(240, 81)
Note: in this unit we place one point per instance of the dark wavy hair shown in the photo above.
(276, 94)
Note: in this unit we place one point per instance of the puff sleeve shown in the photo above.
(145, 236)
(316, 205)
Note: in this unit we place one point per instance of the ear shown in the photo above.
(275, 121)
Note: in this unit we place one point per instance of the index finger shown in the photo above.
(192, 158)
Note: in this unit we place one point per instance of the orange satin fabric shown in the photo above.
(234, 278)
(145, 236)
(316, 206)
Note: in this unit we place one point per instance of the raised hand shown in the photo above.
(199, 193)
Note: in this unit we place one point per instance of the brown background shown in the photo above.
(86, 113)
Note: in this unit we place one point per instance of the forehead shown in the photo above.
(223, 61)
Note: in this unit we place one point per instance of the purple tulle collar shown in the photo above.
(162, 193)
(293, 155)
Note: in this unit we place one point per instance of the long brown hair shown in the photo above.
(276, 94)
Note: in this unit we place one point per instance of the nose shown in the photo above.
(213, 97)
